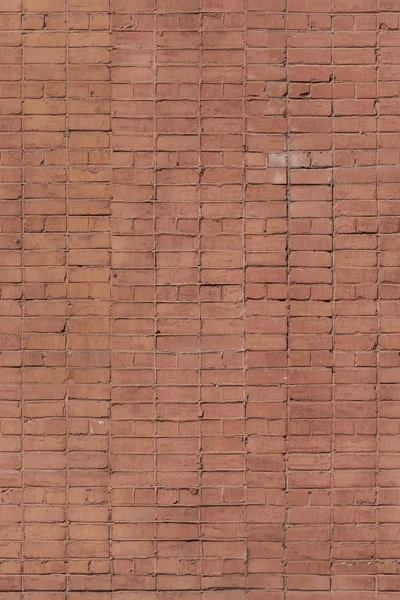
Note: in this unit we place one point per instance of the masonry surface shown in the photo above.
(199, 300)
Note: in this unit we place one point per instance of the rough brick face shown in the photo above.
(199, 299)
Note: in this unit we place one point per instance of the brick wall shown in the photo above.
(200, 285)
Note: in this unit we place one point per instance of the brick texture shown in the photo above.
(199, 300)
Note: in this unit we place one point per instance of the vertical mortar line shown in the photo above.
(378, 298)
(199, 312)
(244, 298)
(66, 516)
(333, 283)
(287, 394)
(154, 200)
(110, 157)
(22, 304)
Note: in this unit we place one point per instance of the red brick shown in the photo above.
(198, 299)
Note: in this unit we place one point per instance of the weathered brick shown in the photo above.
(198, 299)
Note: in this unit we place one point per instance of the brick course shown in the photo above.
(199, 299)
